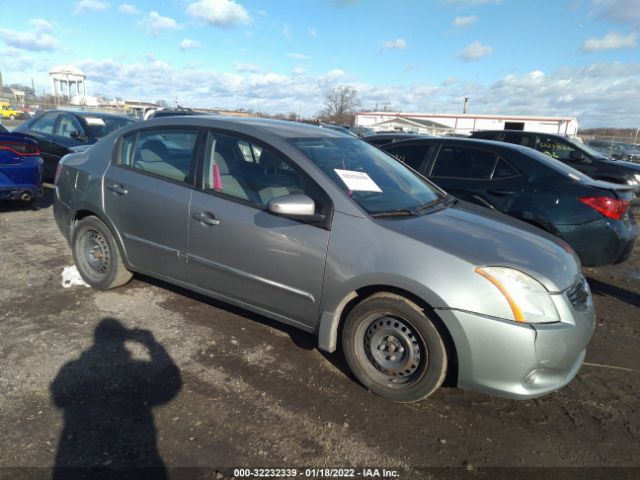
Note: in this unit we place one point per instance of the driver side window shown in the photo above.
(554, 148)
(240, 169)
(68, 126)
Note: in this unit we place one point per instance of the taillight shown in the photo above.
(57, 174)
(20, 148)
(609, 207)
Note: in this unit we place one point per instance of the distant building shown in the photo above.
(69, 81)
(442, 124)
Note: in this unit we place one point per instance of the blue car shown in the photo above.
(20, 168)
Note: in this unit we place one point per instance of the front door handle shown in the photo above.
(118, 188)
(206, 218)
(502, 193)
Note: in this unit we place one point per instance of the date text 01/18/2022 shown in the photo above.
(315, 473)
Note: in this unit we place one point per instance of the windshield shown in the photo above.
(592, 152)
(98, 127)
(373, 179)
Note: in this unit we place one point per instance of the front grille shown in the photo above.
(579, 293)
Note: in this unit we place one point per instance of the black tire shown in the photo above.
(96, 255)
(393, 348)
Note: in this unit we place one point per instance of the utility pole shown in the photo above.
(635, 141)
(466, 104)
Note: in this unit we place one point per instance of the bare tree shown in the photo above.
(339, 104)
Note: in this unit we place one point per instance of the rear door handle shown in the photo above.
(118, 188)
(503, 193)
(206, 218)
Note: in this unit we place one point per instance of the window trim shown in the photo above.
(116, 159)
(504, 159)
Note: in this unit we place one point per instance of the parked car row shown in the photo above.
(569, 151)
(590, 215)
(322, 231)
(617, 150)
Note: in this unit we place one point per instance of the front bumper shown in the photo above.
(519, 360)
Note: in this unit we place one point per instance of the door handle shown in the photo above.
(118, 188)
(502, 193)
(206, 218)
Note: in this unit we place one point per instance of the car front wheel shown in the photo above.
(97, 256)
(393, 348)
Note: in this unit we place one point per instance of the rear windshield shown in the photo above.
(373, 179)
(558, 166)
(98, 127)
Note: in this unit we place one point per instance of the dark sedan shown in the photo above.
(592, 216)
(572, 152)
(57, 131)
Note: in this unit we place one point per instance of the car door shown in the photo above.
(238, 250)
(146, 195)
(477, 175)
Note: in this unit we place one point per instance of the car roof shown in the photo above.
(281, 128)
(459, 140)
(84, 113)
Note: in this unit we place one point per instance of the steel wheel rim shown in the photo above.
(95, 253)
(395, 352)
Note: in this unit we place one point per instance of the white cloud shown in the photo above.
(298, 71)
(611, 41)
(462, 22)
(397, 44)
(154, 23)
(90, 6)
(128, 9)
(312, 32)
(38, 38)
(246, 68)
(599, 94)
(298, 56)
(220, 13)
(188, 44)
(619, 11)
(474, 51)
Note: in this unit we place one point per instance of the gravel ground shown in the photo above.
(150, 374)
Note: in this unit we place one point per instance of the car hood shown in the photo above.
(483, 237)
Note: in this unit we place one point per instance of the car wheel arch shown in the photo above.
(331, 325)
(84, 213)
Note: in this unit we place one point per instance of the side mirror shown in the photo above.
(297, 207)
(79, 136)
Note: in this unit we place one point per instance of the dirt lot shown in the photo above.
(227, 388)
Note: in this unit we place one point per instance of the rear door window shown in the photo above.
(518, 139)
(45, 123)
(554, 147)
(165, 153)
(463, 162)
(411, 155)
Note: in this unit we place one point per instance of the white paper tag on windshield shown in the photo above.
(357, 181)
(94, 121)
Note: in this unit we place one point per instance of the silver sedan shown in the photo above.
(322, 231)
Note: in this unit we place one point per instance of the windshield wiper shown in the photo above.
(448, 200)
(398, 212)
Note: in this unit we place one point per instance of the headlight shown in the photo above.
(529, 301)
(637, 176)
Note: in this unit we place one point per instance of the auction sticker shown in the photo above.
(357, 181)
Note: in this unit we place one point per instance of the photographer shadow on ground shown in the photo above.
(107, 396)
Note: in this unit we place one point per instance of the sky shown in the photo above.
(513, 57)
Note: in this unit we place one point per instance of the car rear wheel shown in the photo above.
(96, 255)
(393, 348)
